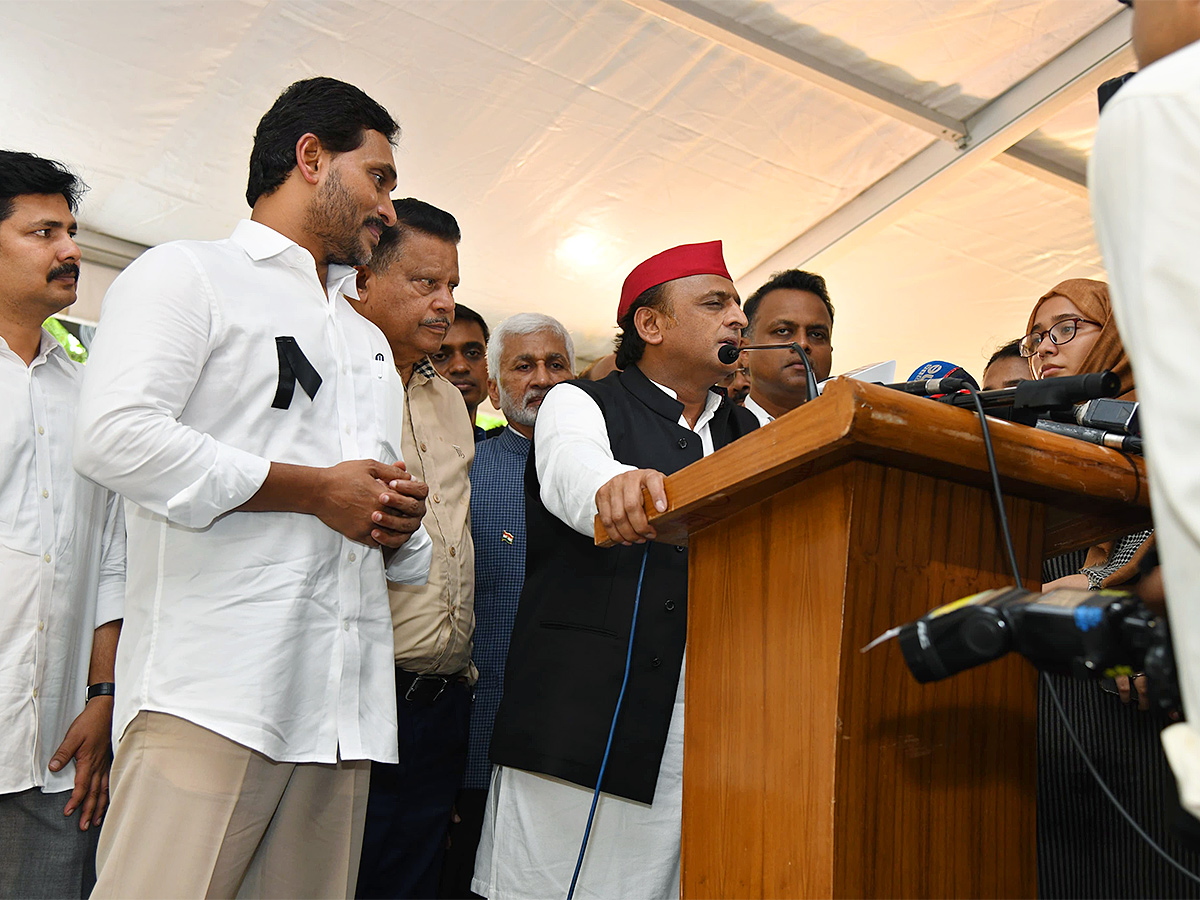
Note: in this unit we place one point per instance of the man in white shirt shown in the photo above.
(251, 419)
(1145, 187)
(62, 557)
(598, 448)
(792, 308)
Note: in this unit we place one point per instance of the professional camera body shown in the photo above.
(1087, 634)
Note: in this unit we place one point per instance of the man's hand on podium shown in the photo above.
(621, 508)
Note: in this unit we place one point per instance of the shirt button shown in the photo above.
(423, 447)
(41, 430)
(669, 606)
(452, 551)
(680, 549)
(345, 624)
(347, 429)
(45, 494)
(655, 663)
(46, 557)
(35, 693)
(41, 626)
(437, 499)
(683, 443)
(353, 557)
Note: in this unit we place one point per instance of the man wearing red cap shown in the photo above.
(597, 448)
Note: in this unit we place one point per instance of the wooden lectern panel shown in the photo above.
(812, 770)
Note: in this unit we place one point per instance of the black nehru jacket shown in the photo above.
(567, 655)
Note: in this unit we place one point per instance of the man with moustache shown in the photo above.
(250, 418)
(793, 307)
(407, 290)
(528, 354)
(463, 361)
(597, 449)
(62, 557)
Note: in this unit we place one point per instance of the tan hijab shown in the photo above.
(1091, 299)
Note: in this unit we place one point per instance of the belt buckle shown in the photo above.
(408, 695)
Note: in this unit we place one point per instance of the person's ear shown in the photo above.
(494, 392)
(363, 281)
(310, 157)
(649, 323)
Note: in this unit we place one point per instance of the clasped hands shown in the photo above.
(374, 503)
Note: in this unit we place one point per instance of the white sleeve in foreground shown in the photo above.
(147, 356)
(110, 599)
(573, 456)
(410, 563)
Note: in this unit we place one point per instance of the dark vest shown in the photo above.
(567, 655)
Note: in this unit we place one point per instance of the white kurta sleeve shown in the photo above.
(1145, 190)
(573, 456)
(149, 350)
(410, 563)
(110, 598)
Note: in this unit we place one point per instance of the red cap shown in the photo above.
(678, 262)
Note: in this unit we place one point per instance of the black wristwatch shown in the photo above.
(101, 689)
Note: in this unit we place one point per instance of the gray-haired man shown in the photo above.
(528, 354)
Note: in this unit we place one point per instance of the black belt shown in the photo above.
(424, 689)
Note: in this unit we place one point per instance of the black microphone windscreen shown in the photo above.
(728, 354)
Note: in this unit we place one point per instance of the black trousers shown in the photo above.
(408, 809)
(459, 864)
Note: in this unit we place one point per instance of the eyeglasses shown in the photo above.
(1060, 333)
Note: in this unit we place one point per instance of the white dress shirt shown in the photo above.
(268, 628)
(764, 417)
(1145, 190)
(574, 458)
(62, 566)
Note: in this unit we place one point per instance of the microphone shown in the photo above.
(728, 355)
(1109, 415)
(936, 378)
(1126, 442)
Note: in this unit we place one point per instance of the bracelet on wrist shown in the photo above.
(101, 689)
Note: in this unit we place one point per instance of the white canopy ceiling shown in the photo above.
(864, 139)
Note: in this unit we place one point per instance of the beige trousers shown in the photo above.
(194, 814)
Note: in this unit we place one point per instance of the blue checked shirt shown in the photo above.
(498, 530)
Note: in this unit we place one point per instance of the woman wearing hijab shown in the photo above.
(1085, 847)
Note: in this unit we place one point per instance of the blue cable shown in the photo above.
(612, 729)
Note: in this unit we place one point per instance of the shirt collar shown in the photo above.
(749, 404)
(47, 346)
(711, 402)
(425, 368)
(263, 242)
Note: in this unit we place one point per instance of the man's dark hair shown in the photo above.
(24, 173)
(463, 313)
(413, 215)
(1011, 350)
(792, 280)
(339, 114)
(629, 344)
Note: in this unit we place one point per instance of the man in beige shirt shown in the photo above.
(407, 291)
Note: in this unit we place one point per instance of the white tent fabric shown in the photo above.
(572, 138)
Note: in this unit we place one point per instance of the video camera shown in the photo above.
(1087, 634)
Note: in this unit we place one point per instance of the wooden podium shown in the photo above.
(814, 770)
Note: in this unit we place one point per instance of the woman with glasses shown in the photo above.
(1085, 848)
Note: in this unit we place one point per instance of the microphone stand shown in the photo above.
(810, 380)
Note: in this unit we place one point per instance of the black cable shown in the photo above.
(1062, 713)
(1000, 512)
